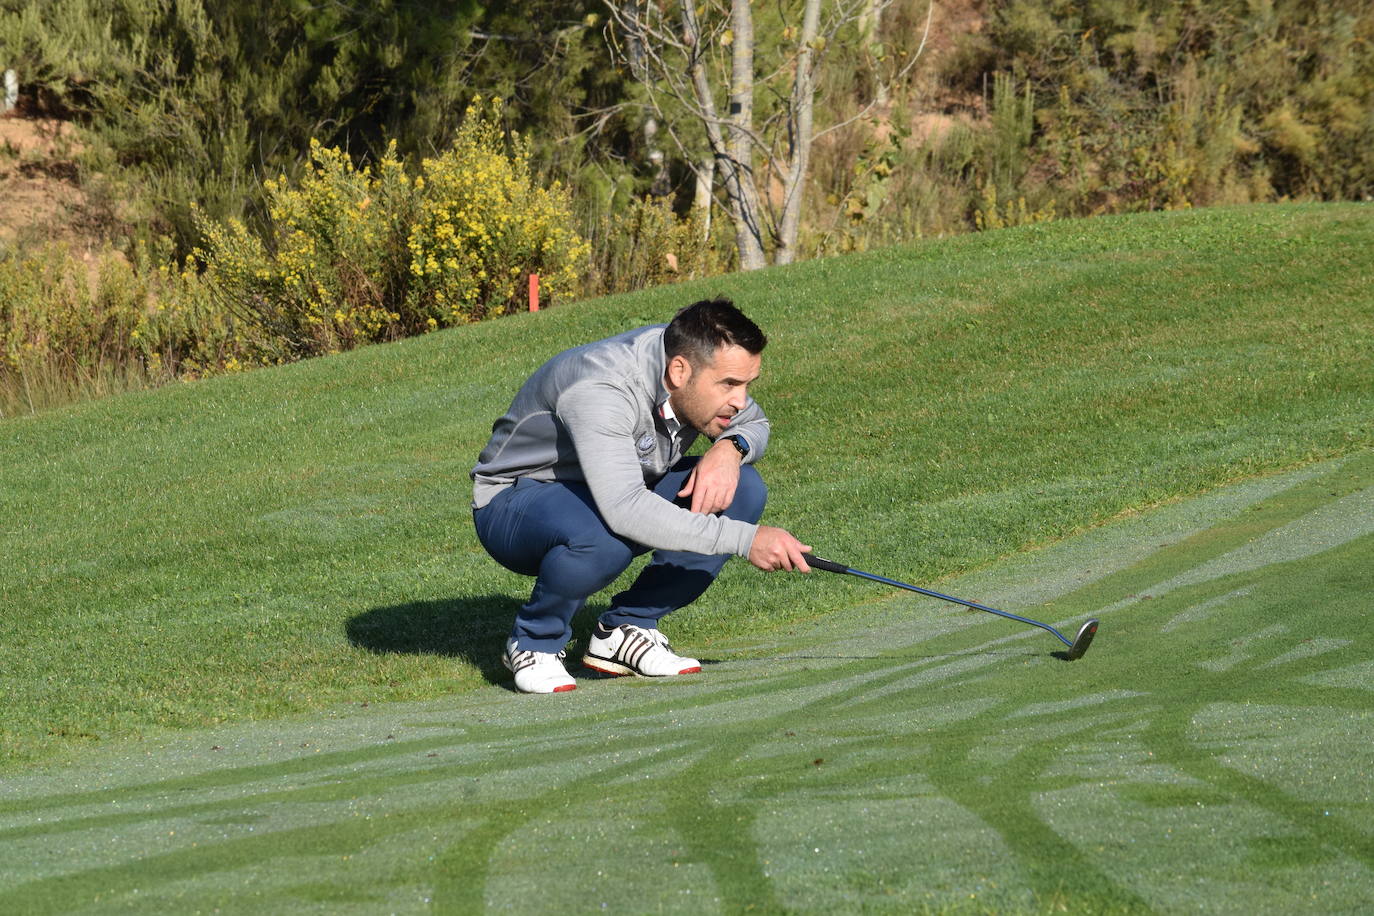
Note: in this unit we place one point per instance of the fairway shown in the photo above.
(1211, 752)
(249, 642)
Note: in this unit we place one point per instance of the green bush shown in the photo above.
(648, 245)
(72, 328)
(195, 97)
(351, 255)
(1084, 107)
(320, 282)
(1151, 104)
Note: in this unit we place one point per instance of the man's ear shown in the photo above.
(679, 371)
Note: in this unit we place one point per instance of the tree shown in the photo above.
(202, 98)
(692, 59)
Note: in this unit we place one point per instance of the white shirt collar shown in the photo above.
(665, 410)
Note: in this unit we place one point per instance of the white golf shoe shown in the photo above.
(641, 651)
(537, 672)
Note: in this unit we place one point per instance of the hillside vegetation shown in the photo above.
(298, 537)
(1077, 106)
(198, 137)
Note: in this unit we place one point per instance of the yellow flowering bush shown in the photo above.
(181, 332)
(483, 227)
(325, 277)
(358, 255)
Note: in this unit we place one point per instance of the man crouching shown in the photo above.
(585, 472)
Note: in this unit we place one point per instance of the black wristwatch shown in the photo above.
(740, 443)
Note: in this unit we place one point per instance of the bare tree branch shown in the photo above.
(691, 58)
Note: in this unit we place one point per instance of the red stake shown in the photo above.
(534, 292)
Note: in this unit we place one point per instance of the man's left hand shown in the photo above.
(713, 481)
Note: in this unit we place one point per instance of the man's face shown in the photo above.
(707, 397)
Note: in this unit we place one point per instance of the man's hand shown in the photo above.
(774, 548)
(713, 481)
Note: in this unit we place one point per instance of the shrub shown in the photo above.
(326, 277)
(482, 225)
(358, 255)
(72, 328)
(648, 245)
(195, 96)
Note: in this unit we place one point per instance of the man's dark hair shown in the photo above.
(701, 328)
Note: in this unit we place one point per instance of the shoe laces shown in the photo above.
(656, 636)
(521, 655)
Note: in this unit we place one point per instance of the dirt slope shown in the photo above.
(41, 194)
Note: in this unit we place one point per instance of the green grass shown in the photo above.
(1210, 753)
(298, 539)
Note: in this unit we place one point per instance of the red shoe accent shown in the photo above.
(695, 669)
(565, 688)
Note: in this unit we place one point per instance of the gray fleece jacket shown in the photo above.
(593, 415)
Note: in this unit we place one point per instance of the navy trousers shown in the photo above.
(552, 531)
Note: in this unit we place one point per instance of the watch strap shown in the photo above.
(740, 443)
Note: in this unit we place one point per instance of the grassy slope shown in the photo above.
(296, 538)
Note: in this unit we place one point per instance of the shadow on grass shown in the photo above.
(471, 629)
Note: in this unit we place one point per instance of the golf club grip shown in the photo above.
(816, 562)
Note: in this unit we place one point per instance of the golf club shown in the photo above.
(1077, 646)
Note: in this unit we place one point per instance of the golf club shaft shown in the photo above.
(832, 566)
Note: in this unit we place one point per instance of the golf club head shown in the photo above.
(1082, 640)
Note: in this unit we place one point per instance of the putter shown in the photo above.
(1077, 646)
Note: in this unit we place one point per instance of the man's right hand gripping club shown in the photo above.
(776, 548)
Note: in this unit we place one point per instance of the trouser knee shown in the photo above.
(751, 495)
(585, 566)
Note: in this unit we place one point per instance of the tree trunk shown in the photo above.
(705, 172)
(739, 145)
(659, 186)
(731, 150)
(870, 30)
(800, 135)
